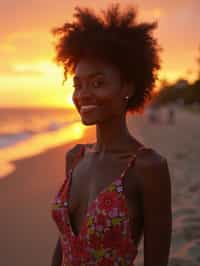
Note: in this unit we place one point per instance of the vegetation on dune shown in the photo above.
(180, 91)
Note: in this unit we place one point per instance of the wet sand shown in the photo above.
(28, 234)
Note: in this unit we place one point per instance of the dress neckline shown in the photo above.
(69, 178)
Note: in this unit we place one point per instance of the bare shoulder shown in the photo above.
(150, 167)
(150, 163)
(149, 156)
(73, 151)
(70, 156)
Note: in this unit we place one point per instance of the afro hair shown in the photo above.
(117, 38)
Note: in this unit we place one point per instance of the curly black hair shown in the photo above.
(116, 38)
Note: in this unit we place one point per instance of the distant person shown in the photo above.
(116, 189)
(154, 116)
(171, 115)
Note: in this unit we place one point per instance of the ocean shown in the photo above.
(25, 132)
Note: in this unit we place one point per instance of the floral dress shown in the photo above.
(105, 237)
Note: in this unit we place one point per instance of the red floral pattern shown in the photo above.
(105, 236)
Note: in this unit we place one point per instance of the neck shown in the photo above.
(113, 136)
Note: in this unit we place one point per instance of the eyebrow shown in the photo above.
(90, 75)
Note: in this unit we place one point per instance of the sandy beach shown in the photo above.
(179, 143)
(28, 233)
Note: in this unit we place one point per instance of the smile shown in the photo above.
(87, 108)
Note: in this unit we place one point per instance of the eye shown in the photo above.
(97, 83)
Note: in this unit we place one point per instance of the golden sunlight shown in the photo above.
(69, 91)
(43, 81)
(40, 67)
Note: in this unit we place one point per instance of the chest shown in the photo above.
(91, 179)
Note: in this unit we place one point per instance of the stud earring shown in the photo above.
(126, 98)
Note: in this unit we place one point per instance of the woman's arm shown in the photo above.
(156, 189)
(57, 255)
(69, 158)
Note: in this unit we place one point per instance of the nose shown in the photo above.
(82, 96)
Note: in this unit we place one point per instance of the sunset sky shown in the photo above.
(28, 75)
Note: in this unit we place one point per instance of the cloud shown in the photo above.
(26, 39)
(40, 68)
(18, 70)
(22, 48)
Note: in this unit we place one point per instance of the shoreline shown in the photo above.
(29, 234)
(27, 230)
(38, 144)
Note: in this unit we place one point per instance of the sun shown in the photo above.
(69, 101)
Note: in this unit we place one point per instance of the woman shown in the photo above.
(115, 189)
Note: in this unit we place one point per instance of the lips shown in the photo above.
(87, 108)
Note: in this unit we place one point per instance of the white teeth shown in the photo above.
(87, 107)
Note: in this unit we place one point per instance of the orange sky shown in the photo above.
(28, 76)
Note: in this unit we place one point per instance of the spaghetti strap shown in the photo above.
(81, 152)
(109, 203)
(132, 160)
(61, 192)
(76, 159)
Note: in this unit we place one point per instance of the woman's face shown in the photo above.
(98, 93)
